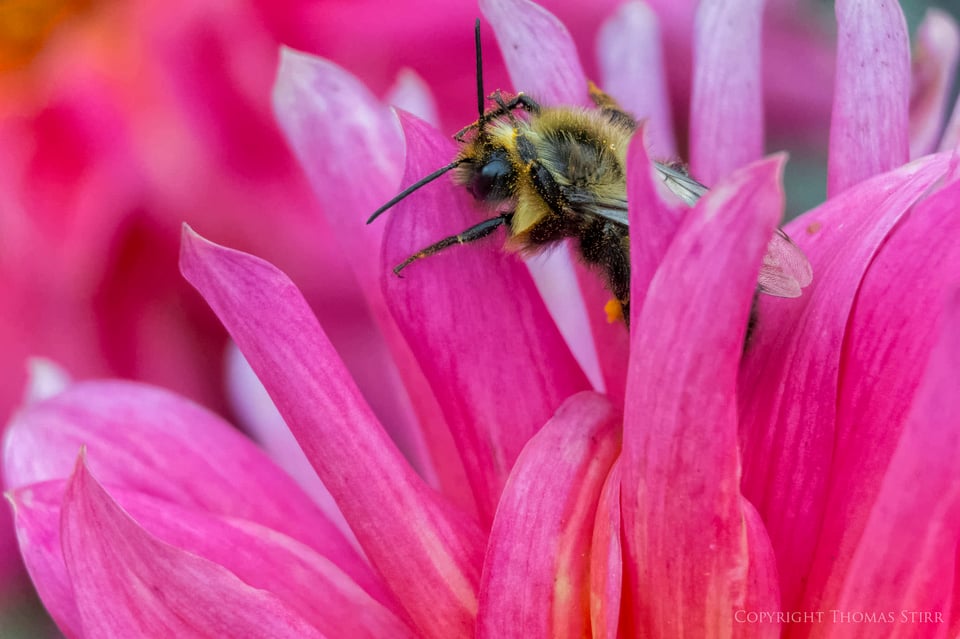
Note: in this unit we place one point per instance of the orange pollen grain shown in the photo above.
(614, 310)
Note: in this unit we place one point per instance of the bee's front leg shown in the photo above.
(472, 234)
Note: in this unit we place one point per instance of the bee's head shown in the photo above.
(489, 176)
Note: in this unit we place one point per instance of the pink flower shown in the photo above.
(713, 489)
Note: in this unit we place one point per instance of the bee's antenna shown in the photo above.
(413, 187)
(476, 35)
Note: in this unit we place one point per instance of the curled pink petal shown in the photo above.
(541, 56)
(127, 583)
(934, 70)
(869, 130)
(686, 560)
(918, 502)
(794, 361)
(726, 108)
(428, 553)
(114, 420)
(335, 124)
(469, 295)
(308, 583)
(887, 347)
(763, 587)
(631, 65)
(606, 560)
(536, 572)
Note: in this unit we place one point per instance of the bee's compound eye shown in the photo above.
(491, 181)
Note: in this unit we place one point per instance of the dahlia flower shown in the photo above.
(800, 484)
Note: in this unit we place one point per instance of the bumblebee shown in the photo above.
(552, 173)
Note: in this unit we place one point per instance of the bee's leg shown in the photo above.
(609, 107)
(601, 98)
(472, 234)
(521, 101)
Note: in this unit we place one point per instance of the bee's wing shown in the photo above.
(785, 268)
(609, 208)
(681, 184)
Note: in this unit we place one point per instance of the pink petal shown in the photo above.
(892, 329)
(726, 108)
(257, 414)
(428, 553)
(541, 56)
(37, 524)
(127, 583)
(611, 337)
(686, 567)
(869, 130)
(934, 70)
(152, 441)
(799, 63)
(790, 372)
(763, 587)
(335, 125)
(471, 313)
(556, 275)
(303, 580)
(631, 65)
(649, 212)
(536, 572)
(606, 560)
(915, 521)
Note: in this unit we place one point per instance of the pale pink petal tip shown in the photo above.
(632, 70)
(726, 124)
(869, 129)
(540, 54)
(332, 121)
(410, 93)
(934, 68)
(45, 378)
